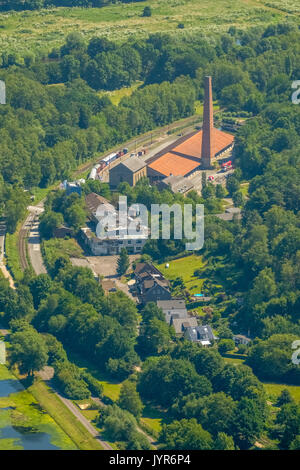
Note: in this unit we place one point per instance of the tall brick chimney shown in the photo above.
(208, 125)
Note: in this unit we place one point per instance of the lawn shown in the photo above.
(116, 95)
(42, 30)
(199, 107)
(111, 388)
(185, 268)
(23, 411)
(234, 360)
(244, 189)
(274, 390)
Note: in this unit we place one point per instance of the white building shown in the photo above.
(115, 236)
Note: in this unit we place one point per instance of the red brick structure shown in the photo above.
(193, 152)
(208, 125)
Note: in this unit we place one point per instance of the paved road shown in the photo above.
(70, 405)
(46, 374)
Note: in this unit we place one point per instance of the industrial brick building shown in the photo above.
(197, 151)
(129, 171)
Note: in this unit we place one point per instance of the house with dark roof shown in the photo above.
(151, 284)
(129, 171)
(180, 325)
(241, 339)
(200, 334)
(174, 308)
(93, 201)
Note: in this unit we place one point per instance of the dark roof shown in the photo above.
(142, 268)
(134, 164)
(180, 324)
(200, 333)
(93, 201)
(175, 304)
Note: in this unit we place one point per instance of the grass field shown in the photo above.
(44, 29)
(185, 267)
(116, 95)
(274, 390)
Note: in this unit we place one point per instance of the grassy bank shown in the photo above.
(12, 254)
(63, 417)
(274, 390)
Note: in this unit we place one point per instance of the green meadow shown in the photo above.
(47, 28)
(185, 268)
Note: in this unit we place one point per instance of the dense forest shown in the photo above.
(20, 5)
(55, 119)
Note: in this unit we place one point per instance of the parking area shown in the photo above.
(106, 265)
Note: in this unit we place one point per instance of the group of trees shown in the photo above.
(121, 426)
(62, 209)
(47, 131)
(31, 351)
(218, 404)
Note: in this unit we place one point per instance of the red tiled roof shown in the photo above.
(170, 163)
(190, 154)
(193, 146)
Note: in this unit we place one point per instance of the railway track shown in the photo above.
(146, 139)
(23, 234)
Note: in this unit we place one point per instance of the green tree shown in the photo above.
(186, 434)
(28, 351)
(224, 442)
(147, 11)
(226, 345)
(123, 262)
(129, 399)
(284, 398)
(289, 420)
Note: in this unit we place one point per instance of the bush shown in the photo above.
(226, 345)
(68, 377)
(119, 424)
(242, 348)
(147, 12)
(95, 387)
